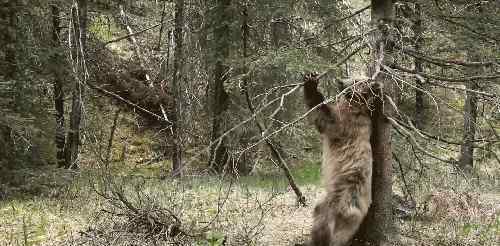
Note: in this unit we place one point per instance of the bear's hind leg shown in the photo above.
(344, 229)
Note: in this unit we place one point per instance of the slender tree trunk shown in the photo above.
(245, 163)
(218, 150)
(177, 87)
(112, 131)
(419, 118)
(60, 134)
(160, 34)
(466, 160)
(280, 37)
(378, 226)
(79, 32)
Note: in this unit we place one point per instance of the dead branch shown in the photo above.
(301, 199)
(484, 36)
(404, 132)
(295, 87)
(462, 89)
(131, 35)
(131, 38)
(127, 102)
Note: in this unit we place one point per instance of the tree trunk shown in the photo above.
(79, 32)
(281, 37)
(176, 87)
(162, 25)
(112, 131)
(378, 226)
(8, 70)
(245, 163)
(218, 149)
(466, 160)
(419, 91)
(60, 138)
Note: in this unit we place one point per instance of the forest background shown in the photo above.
(182, 122)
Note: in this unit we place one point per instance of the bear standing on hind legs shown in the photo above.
(345, 129)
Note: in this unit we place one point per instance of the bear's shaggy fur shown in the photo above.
(345, 129)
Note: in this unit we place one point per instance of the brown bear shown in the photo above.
(345, 129)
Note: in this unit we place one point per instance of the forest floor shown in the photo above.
(59, 207)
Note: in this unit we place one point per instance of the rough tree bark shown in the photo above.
(177, 88)
(8, 71)
(218, 95)
(378, 226)
(79, 36)
(60, 134)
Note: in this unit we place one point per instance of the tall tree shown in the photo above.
(419, 68)
(8, 68)
(177, 88)
(466, 159)
(218, 95)
(79, 38)
(60, 138)
(378, 224)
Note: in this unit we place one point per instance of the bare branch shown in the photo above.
(449, 79)
(357, 12)
(444, 62)
(131, 34)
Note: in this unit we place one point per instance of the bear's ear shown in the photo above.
(376, 85)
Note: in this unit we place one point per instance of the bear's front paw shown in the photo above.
(311, 78)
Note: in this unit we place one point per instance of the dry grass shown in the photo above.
(245, 213)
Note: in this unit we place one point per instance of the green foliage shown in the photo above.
(306, 174)
(103, 28)
(215, 239)
(294, 61)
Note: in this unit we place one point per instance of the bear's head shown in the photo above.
(359, 97)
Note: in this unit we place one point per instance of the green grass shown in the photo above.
(307, 174)
(103, 28)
